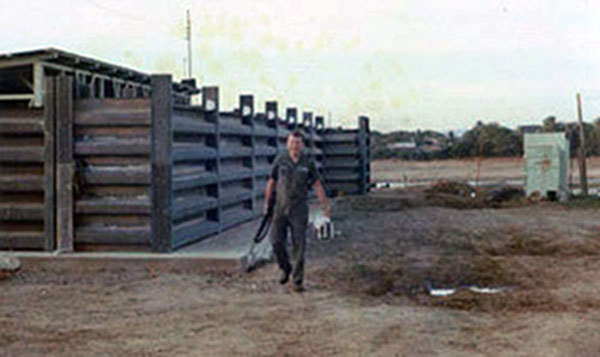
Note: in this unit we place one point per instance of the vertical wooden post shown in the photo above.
(291, 117)
(65, 167)
(307, 125)
(247, 113)
(273, 120)
(38, 85)
(319, 122)
(210, 105)
(162, 163)
(363, 125)
(49, 163)
(582, 150)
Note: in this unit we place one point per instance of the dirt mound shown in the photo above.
(443, 193)
(520, 290)
(547, 245)
(461, 195)
(451, 187)
(517, 300)
(395, 200)
(406, 277)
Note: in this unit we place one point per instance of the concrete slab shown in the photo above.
(228, 251)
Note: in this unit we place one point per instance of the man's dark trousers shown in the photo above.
(296, 219)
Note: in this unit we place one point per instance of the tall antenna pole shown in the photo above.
(582, 152)
(188, 37)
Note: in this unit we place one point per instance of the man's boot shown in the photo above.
(284, 277)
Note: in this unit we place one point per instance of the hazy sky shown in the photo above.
(406, 64)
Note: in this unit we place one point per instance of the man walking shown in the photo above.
(292, 175)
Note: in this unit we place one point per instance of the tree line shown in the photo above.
(484, 140)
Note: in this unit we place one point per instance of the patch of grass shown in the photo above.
(590, 202)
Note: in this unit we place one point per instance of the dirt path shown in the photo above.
(367, 293)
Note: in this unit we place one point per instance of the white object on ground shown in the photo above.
(441, 292)
(477, 289)
(9, 266)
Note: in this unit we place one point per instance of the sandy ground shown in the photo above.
(367, 292)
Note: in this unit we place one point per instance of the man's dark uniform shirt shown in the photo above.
(294, 180)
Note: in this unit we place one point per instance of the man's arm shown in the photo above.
(268, 193)
(318, 187)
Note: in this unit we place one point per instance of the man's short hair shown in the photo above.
(297, 134)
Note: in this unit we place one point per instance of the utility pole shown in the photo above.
(582, 151)
(188, 37)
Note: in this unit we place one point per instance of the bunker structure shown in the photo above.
(546, 165)
(95, 156)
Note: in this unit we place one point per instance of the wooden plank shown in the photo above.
(113, 206)
(99, 234)
(333, 150)
(350, 188)
(283, 134)
(113, 104)
(343, 177)
(192, 205)
(183, 152)
(265, 151)
(262, 170)
(194, 180)
(332, 163)
(116, 190)
(64, 164)
(113, 160)
(194, 230)
(22, 240)
(317, 151)
(231, 129)
(234, 195)
(263, 131)
(235, 218)
(48, 181)
(21, 126)
(137, 117)
(21, 211)
(113, 112)
(113, 147)
(13, 97)
(22, 183)
(125, 175)
(162, 163)
(184, 125)
(239, 174)
(21, 154)
(103, 132)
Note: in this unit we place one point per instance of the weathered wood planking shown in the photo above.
(112, 156)
(25, 169)
(162, 163)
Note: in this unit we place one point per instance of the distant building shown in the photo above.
(402, 145)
